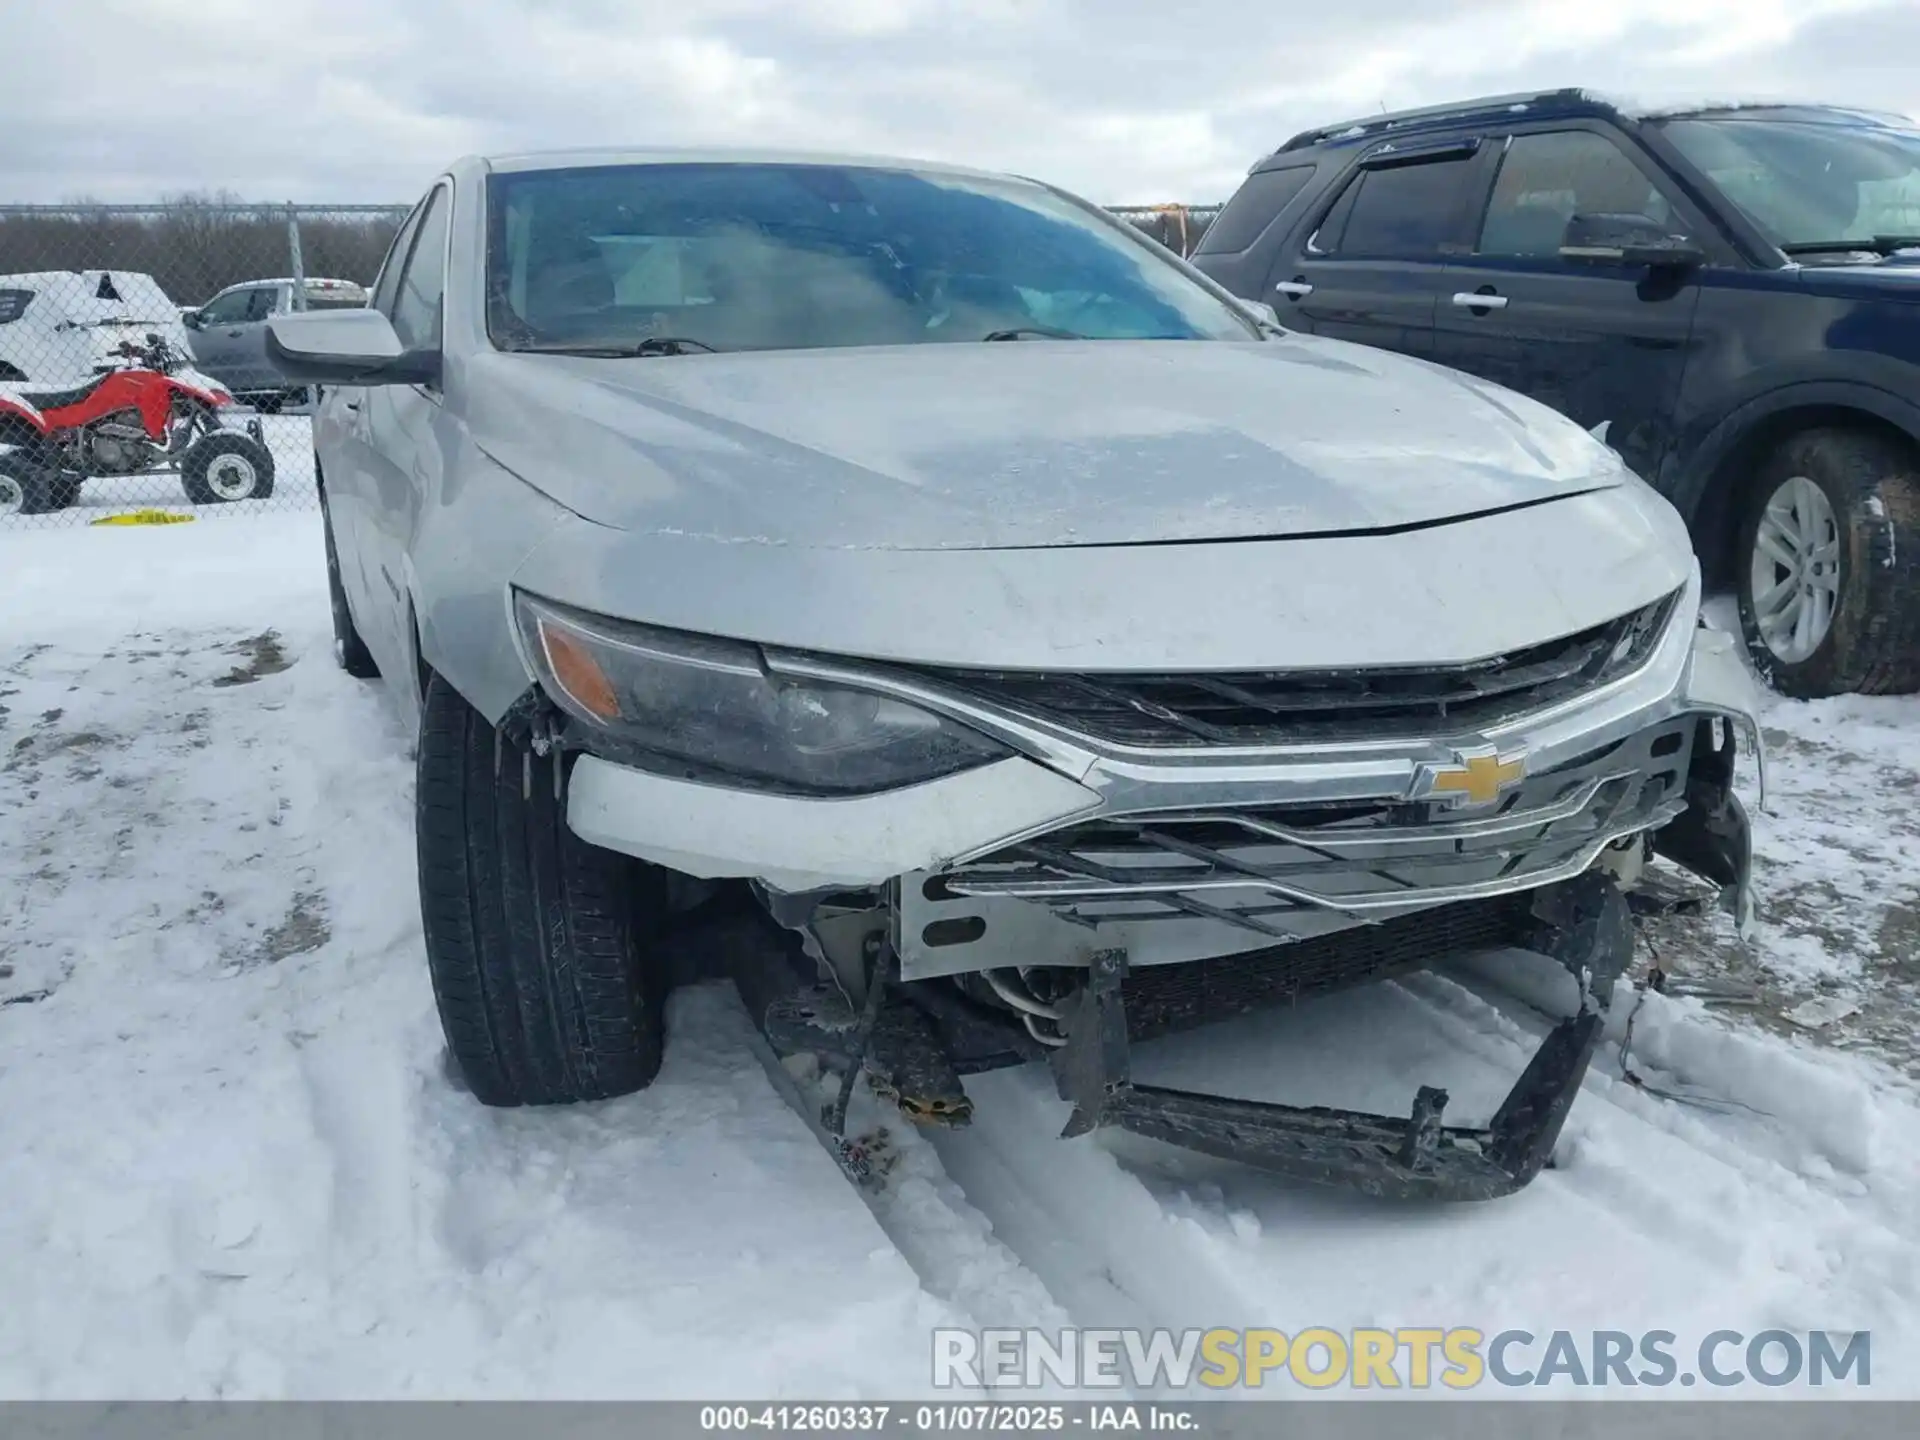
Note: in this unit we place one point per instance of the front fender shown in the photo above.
(1694, 482)
(17, 416)
(1713, 836)
(459, 572)
(1719, 682)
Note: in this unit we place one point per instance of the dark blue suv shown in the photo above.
(1729, 296)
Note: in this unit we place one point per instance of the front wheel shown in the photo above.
(537, 941)
(226, 466)
(1829, 566)
(27, 488)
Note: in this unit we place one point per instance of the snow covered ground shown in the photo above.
(231, 1164)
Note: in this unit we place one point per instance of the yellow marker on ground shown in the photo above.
(144, 517)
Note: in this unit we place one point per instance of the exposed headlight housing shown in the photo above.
(712, 706)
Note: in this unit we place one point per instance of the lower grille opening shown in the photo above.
(1166, 999)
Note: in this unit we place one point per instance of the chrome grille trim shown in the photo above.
(1097, 882)
(1408, 837)
(1255, 868)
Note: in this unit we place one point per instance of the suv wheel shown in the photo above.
(348, 648)
(1829, 566)
(547, 988)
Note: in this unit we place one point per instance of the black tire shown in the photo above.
(348, 648)
(197, 467)
(1872, 645)
(64, 490)
(543, 966)
(25, 488)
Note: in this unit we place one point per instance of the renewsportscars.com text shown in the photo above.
(1415, 1358)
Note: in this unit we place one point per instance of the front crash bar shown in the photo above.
(1583, 923)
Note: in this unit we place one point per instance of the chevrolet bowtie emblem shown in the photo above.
(1476, 777)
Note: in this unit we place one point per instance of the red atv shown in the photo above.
(150, 412)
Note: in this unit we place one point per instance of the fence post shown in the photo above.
(299, 264)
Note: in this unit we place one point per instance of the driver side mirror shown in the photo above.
(1628, 240)
(346, 347)
(190, 319)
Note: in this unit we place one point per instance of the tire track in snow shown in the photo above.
(952, 1245)
(1656, 1209)
(1804, 1174)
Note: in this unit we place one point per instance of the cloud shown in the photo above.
(1123, 100)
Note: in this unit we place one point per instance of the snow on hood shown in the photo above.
(1026, 444)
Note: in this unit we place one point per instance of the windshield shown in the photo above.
(794, 257)
(1808, 184)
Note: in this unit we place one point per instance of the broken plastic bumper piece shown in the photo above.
(1583, 923)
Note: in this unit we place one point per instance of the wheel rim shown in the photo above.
(1795, 580)
(231, 477)
(12, 497)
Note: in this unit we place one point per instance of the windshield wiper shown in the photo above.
(1878, 245)
(1024, 332)
(639, 349)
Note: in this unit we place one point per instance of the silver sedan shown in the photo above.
(919, 595)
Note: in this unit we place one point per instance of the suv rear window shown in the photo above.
(1402, 210)
(13, 304)
(1253, 207)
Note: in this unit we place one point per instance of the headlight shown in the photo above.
(711, 704)
(1637, 636)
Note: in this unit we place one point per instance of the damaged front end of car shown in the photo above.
(1130, 856)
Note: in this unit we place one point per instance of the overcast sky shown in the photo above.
(1126, 101)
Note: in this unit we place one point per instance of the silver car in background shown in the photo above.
(916, 593)
(230, 332)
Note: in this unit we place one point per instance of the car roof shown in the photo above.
(717, 155)
(49, 279)
(1573, 101)
(74, 291)
(311, 282)
(1779, 110)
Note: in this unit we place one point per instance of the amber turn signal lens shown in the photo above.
(578, 672)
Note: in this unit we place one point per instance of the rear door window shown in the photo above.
(1254, 206)
(387, 284)
(262, 303)
(1410, 211)
(416, 308)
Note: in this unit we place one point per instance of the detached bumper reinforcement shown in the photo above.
(1583, 923)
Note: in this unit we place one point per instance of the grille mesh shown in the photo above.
(1162, 999)
(1277, 707)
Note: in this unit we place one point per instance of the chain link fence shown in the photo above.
(133, 367)
(1178, 227)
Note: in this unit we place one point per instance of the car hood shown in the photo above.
(1021, 445)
